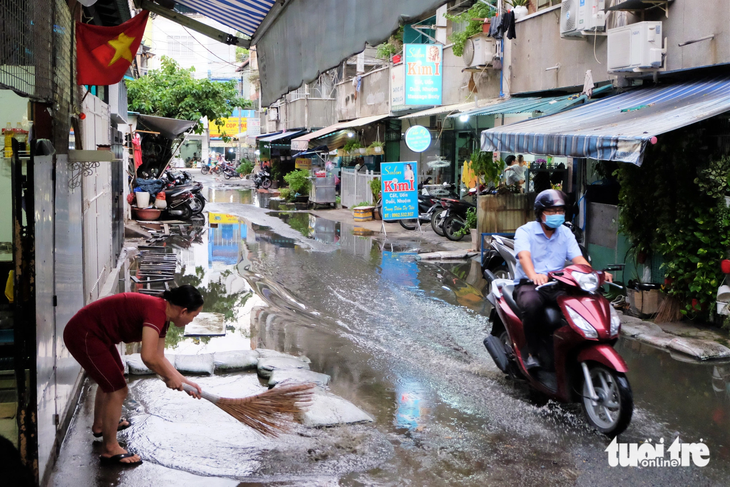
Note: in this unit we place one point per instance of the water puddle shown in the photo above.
(259, 198)
(402, 340)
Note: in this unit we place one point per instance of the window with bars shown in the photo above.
(179, 46)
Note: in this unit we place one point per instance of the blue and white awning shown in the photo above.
(243, 15)
(616, 128)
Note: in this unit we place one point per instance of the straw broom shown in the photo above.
(270, 412)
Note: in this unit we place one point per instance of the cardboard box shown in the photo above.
(645, 303)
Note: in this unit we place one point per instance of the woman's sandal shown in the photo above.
(117, 460)
(120, 427)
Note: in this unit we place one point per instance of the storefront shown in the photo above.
(617, 128)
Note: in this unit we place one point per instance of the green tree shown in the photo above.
(241, 54)
(173, 92)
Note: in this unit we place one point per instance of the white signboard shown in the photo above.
(254, 127)
(397, 87)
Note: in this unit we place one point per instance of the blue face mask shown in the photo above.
(554, 221)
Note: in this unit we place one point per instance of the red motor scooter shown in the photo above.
(579, 363)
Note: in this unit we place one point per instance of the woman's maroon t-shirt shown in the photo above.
(120, 318)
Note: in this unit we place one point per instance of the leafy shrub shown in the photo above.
(298, 181)
(245, 167)
(286, 194)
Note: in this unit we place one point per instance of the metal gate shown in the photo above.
(356, 187)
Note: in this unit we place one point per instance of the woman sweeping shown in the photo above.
(92, 335)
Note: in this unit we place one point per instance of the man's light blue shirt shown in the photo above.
(548, 254)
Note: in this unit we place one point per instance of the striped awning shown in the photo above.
(539, 105)
(616, 128)
(303, 142)
(243, 15)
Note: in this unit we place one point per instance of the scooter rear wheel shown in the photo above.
(266, 183)
(452, 227)
(204, 170)
(611, 414)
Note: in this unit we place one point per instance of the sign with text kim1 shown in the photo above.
(424, 68)
(398, 185)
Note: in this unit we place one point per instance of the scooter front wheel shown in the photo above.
(408, 224)
(436, 222)
(611, 413)
(266, 183)
(204, 170)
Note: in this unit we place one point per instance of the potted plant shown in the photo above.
(470, 227)
(377, 147)
(520, 8)
(299, 183)
(363, 212)
(375, 189)
(352, 147)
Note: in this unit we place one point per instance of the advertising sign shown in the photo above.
(397, 87)
(232, 127)
(254, 127)
(303, 163)
(399, 188)
(424, 74)
(418, 138)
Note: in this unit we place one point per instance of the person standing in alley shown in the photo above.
(92, 335)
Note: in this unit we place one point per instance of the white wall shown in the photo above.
(195, 50)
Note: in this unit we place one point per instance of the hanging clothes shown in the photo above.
(495, 28)
(508, 25)
(137, 146)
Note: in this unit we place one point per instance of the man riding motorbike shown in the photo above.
(542, 246)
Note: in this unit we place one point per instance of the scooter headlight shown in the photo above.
(588, 330)
(587, 281)
(615, 322)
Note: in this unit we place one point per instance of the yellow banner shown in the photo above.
(303, 163)
(233, 127)
(222, 218)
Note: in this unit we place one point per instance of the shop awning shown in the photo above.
(616, 128)
(304, 38)
(243, 15)
(265, 136)
(168, 127)
(302, 143)
(542, 105)
(457, 108)
(282, 137)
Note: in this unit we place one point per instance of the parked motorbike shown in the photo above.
(579, 363)
(453, 220)
(262, 179)
(180, 203)
(197, 205)
(230, 172)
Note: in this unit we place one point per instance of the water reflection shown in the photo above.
(694, 394)
(310, 226)
(412, 404)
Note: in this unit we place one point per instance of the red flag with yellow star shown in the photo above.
(104, 53)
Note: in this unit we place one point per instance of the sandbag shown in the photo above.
(238, 360)
(136, 366)
(195, 364)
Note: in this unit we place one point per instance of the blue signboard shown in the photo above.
(418, 138)
(424, 73)
(399, 181)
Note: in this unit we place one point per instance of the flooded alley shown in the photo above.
(400, 339)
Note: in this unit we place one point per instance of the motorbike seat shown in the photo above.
(507, 291)
(176, 191)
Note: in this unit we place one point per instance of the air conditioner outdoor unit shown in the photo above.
(635, 47)
(479, 50)
(578, 17)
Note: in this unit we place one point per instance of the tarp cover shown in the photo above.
(616, 128)
(312, 36)
(168, 127)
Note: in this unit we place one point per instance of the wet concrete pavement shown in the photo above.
(400, 339)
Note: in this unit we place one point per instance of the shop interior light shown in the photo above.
(464, 118)
(257, 152)
(350, 134)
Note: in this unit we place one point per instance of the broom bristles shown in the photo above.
(271, 412)
(670, 310)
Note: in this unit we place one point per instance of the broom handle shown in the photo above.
(206, 395)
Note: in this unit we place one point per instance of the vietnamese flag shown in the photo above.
(105, 53)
